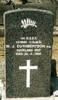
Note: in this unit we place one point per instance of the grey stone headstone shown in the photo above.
(28, 43)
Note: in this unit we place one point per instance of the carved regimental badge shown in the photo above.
(28, 22)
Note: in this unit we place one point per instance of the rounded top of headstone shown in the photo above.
(28, 9)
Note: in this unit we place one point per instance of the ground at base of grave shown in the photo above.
(43, 98)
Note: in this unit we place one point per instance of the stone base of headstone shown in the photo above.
(43, 98)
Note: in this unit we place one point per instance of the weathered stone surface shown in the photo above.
(28, 25)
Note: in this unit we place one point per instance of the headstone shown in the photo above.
(28, 43)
